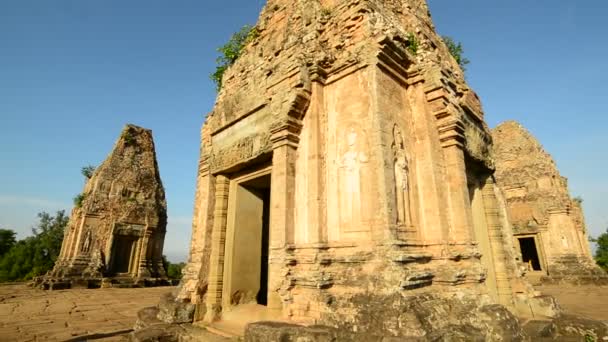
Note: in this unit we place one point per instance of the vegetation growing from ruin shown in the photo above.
(87, 171)
(79, 199)
(128, 137)
(413, 43)
(231, 51)
(578, 200)
(601, 253)
(326, 11)
(34, 255)
(457, 51)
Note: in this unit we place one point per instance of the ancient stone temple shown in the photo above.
(345, 171)
(346, 180)
(548, 224)
(117, 229)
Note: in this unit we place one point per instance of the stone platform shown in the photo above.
(96, 283)
(108, 314)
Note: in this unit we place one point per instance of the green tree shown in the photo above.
(35, 255)
(174, 271)
(231, 51)
(87, 171)
(601, 253)
(7, 240)
(457, 51)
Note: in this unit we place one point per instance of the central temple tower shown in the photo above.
(345, 170)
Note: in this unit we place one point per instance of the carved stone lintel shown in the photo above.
(286, 134)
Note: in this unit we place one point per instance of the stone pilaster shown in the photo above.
(143, 255)
(317, 230)
(452, 138)
(458, 196)
(218, 240)
(282, 203)
(134, 262)
(158, 255)
(432, 214)
(497, 243)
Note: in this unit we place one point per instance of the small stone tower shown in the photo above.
(549, 227)
(117, 228)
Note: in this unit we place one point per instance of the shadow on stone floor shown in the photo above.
(99, 336)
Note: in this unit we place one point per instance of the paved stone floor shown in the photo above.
(28, 314)
(588, 301)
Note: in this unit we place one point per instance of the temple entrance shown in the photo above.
(122, 250)
(247, 243)
(529, 253)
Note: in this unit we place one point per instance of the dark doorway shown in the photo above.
(529, 253)
(247, 270)
(121, 254)
(262, 297)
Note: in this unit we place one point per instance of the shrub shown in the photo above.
(87, 171)
(457, 51)
(78, 199)
(412, 43)
(128, 137)
(231, 51)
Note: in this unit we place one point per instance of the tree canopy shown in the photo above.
(174, 271)
(7, 240)
(601, 253)
(34, 255)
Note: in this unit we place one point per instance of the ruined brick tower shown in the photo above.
(116, 232)
(345, 174)
(549, 227)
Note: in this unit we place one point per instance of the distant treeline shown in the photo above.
(601, 253)
(35, 255)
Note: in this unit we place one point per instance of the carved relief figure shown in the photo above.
(401, 169)
(351, 164)
(86, 244)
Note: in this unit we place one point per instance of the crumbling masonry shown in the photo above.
(116, 233)
(346, 179)
(549, 227)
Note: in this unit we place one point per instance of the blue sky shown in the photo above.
(72, 73)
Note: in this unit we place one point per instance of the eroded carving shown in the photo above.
(402, 183)
(353, 163)
(123, 202)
